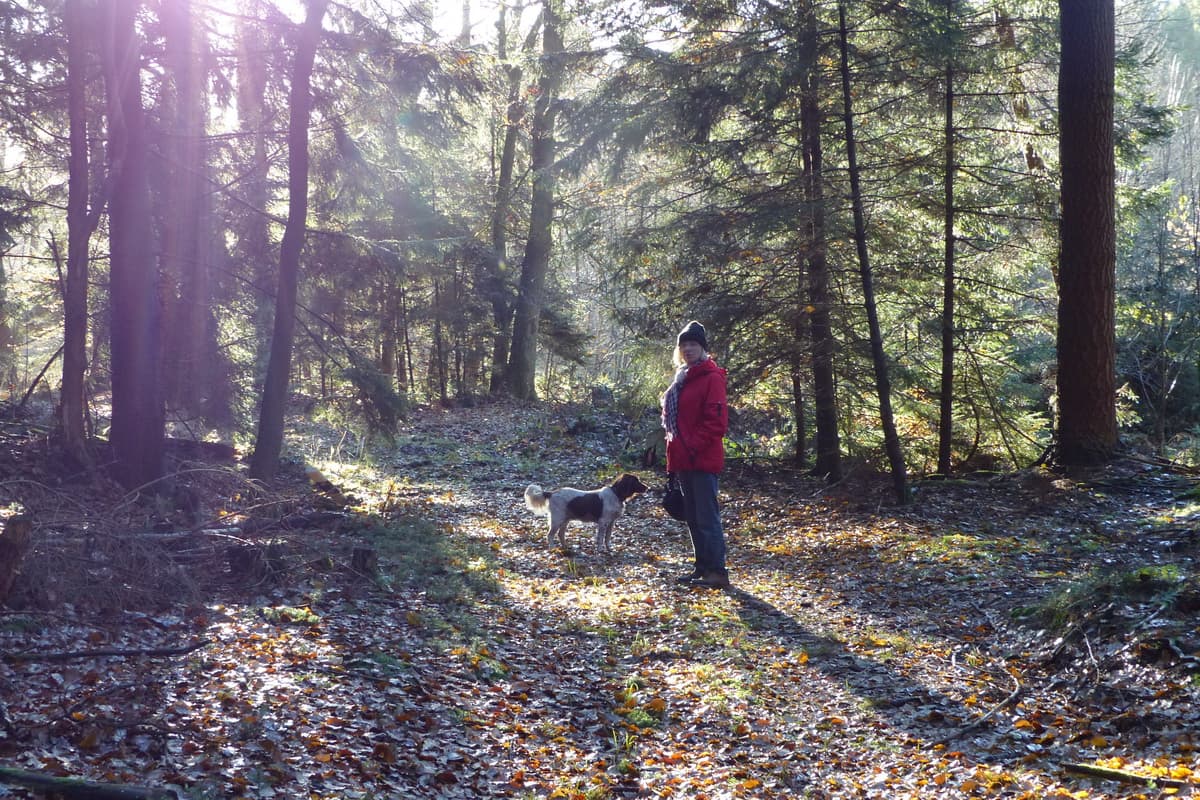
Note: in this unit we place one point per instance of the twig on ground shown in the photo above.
(1005, 703)
(79, 654)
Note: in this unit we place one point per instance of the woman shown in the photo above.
(696, 417)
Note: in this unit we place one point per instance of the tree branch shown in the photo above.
(80, 654)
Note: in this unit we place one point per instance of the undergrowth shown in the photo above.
(1156, 584)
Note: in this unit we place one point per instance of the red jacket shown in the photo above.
(703, 420)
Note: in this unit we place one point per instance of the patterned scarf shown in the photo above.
(670, 403)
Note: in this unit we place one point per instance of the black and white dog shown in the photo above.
(601, 506)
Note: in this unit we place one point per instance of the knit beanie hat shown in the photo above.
(693, 332)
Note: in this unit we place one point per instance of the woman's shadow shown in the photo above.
(922, 716)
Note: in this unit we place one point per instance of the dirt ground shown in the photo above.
(1018, 635)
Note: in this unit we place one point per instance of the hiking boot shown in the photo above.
(713, 580)
(691, 577)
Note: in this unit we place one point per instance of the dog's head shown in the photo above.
(628, 485)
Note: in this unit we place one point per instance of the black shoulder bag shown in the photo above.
(672, 499)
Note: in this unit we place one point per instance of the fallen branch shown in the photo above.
(1121, 775)
(1005, 703)
(79, 654)
(20, 407)
(76, 789)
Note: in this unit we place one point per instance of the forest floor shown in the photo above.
(1021, 635)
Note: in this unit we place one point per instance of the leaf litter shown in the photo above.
(1000, 637)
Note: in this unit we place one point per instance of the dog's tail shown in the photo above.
(536, 500)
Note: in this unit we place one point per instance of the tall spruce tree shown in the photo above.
(137, 402)
(1087, 419)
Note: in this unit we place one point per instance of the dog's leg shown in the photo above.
(604, 537)
(559, 528)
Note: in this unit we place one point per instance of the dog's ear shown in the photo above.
(631, 484)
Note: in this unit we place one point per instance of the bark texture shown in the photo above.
(1087, 422)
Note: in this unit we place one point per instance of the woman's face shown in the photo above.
(691, 351)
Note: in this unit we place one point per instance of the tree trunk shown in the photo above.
(387, 320)
(269, 441)
(189, 340)
(522, 363)
(497, 283)
(254, 239)
(828, 444)
(946, 399)
(1087, 417)
(137, 407)
(882, 382)
(75, 298)
(14, 544)
(437, 355)
(800, 452)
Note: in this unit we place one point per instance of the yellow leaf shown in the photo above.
(751, 783)
(1098, 741)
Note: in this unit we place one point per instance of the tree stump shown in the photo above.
(14, 543)
(364, 560)
(252, 563)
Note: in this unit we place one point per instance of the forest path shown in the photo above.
(865, 650)
(859, 646)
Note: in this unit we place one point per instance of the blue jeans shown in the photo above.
(703, 519)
